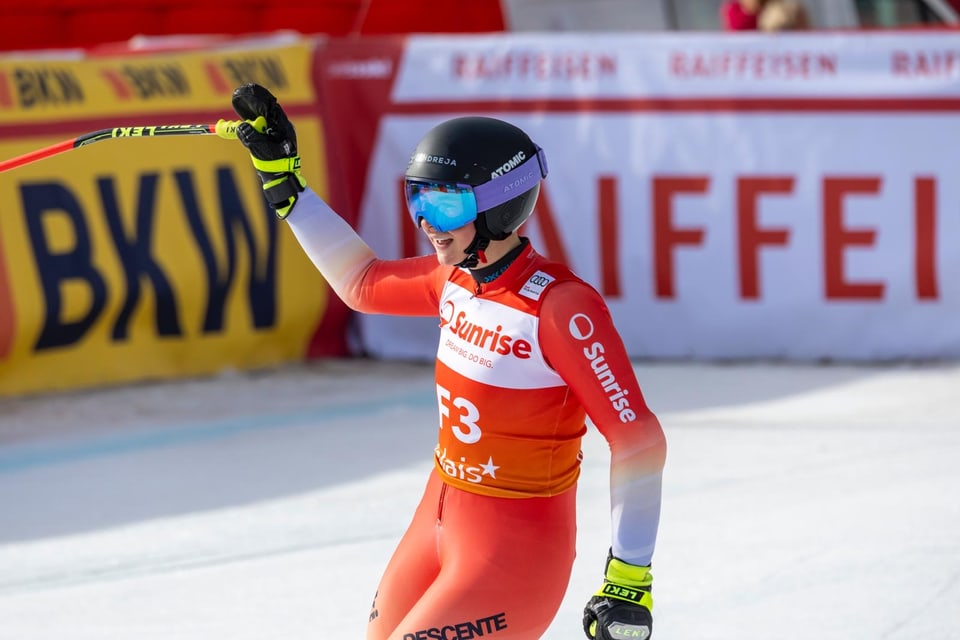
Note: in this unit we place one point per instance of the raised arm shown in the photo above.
(351, 268)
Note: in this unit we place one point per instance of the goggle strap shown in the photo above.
(513, 183)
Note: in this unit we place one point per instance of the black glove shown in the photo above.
(622, 607)
(270, 138)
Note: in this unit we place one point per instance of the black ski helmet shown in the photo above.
(475, 150)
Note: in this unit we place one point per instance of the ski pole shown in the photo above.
(226, 129)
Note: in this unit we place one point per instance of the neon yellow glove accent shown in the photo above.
(281, 165)
(627, 582)
(276, 175)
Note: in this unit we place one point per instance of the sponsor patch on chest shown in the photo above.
(535, 284)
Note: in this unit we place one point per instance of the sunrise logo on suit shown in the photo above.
(581, 328)
(493, 340)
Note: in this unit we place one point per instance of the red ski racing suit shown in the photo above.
(522, 362)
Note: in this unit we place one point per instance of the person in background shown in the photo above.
(783, 15)
(740, 15)
(527, 351)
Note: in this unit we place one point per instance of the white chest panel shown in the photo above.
(491, 342)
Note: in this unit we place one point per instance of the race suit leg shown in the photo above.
(476, 566)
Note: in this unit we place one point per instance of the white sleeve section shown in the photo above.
(332, 245)
(635, 519)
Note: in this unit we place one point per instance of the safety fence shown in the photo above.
(748, 196)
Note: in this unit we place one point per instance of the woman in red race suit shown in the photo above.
(527, 352)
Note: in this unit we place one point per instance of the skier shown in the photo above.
(527, 351)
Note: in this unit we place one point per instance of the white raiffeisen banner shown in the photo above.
(732, 196)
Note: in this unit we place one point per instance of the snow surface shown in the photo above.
(799, 502)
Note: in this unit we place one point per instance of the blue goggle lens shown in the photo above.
(444, 206)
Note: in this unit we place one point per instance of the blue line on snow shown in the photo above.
(21, 457)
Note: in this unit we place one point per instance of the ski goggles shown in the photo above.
(448, 206)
